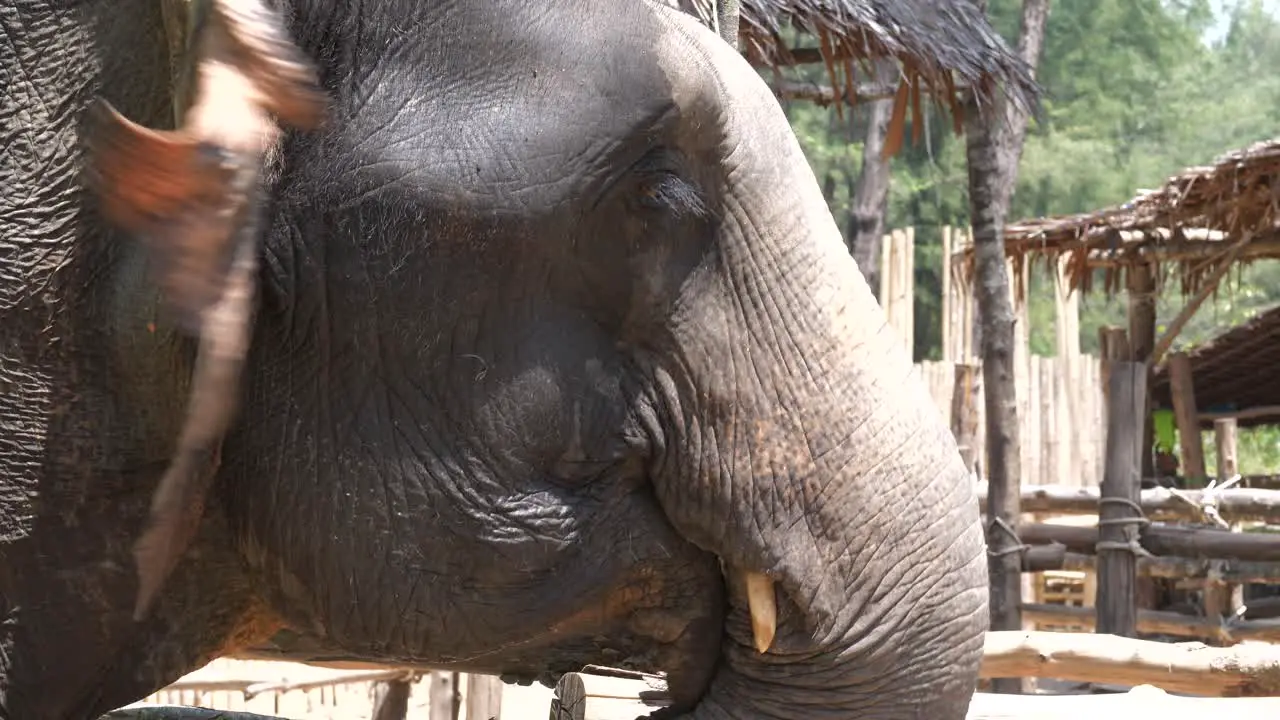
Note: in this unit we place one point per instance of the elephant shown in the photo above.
(499, 336)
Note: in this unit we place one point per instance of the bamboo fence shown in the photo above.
(1060, 402)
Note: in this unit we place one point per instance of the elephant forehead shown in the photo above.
(522, 107)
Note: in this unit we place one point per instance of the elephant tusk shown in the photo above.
(764, 609)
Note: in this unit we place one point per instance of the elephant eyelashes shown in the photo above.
(668, 192)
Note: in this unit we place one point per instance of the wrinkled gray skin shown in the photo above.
(553, 327)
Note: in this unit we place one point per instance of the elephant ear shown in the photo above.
(190, 197)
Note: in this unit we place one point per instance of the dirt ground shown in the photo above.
(340, 701)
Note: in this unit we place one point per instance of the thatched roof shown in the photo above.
(1233, 374)
(1191, 222)
(944, 43)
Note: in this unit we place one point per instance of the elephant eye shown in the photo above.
(664, 191)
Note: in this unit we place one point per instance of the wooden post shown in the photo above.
(1222, 599)
(1224, 437)
(909, 290)
(1121, 487)
(392, 700)
(946, 325)
(444, 695)
(1188, 419)
(964, 412)
(484, 697)
(1142, 340)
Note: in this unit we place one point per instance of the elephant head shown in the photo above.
(546, 352)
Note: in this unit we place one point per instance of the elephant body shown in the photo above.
(555, 357)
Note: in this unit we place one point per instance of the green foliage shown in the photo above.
(1135, 93)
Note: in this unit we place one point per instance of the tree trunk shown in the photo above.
(869, 199)
(993, 147)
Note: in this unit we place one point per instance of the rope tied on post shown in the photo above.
(1130, 525)
(1017, 547)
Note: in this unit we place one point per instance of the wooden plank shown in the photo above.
(1187, 418)
(1163, 623)
(1121, 485)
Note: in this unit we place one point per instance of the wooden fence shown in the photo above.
(303, 692)
(1060, 401)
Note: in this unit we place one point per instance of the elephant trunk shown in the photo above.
(824, 478)
(809, 456)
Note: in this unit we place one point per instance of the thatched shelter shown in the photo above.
(944, 46)
(1197, 223)
(1233, 375)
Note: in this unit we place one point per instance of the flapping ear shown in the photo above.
(190, 196)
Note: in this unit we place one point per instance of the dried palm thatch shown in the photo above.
(1197, 221)
(1233, 372)
(942, 45)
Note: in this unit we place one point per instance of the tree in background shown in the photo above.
(993, 147)
(1133, 94)
(869, 193)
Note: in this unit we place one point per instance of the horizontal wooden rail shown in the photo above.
(1234, 504)
(1165, 540)
(1054, 556)
(1158, 622)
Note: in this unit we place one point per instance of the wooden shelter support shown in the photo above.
(1187, 418)
(1142, 340)
(1207, 287)
(1120, 513)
